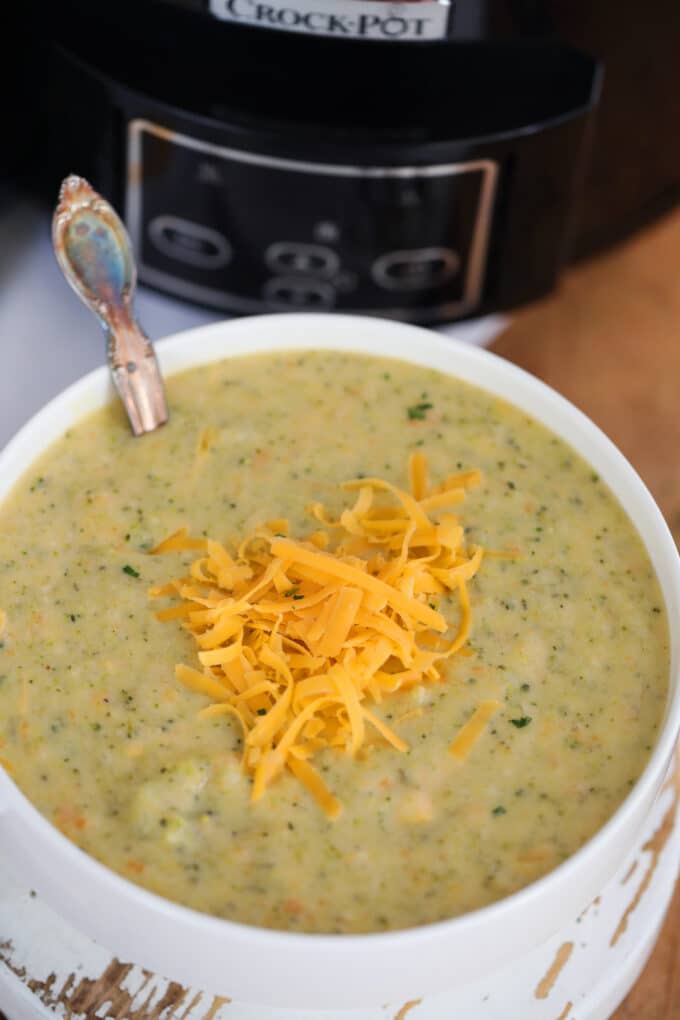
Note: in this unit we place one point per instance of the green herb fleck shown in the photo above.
(499, 810)
(417, 411)
(520, 723)
(262, 711)
(130, 571)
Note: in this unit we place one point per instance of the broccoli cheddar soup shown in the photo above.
(451, 673)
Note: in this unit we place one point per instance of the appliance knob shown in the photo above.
(415, 269)
(189, 242)
(299, 292)
(307, 259)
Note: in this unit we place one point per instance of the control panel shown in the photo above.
(252, 232)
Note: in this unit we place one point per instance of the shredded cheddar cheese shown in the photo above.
(296, 638)
(470, 733)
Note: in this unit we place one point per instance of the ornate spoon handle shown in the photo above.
(95, 255)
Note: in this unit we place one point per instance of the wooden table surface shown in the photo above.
(609, 340)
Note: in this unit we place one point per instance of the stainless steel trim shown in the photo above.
(235, 303)
(139, 125)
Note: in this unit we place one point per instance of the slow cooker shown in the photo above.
(416, 160)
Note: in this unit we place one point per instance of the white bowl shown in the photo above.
(341, 971)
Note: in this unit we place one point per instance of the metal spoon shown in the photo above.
(95, 255)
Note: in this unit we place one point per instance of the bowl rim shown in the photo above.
(236, 337)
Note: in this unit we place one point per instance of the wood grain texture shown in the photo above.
(656, 996)
(609, 340)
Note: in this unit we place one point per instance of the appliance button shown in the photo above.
(190, 242)
(298, 292)
(415, 269)
(327, 230)
(307, 259)
(346, 281)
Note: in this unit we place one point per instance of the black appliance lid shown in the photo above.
(324, 88)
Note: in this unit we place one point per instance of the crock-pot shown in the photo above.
(261, 165)
(425, 160)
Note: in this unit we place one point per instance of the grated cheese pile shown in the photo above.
(297, 638)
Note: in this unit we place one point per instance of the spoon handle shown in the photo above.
(95, 255)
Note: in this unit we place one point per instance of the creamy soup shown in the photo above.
(570, 636)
